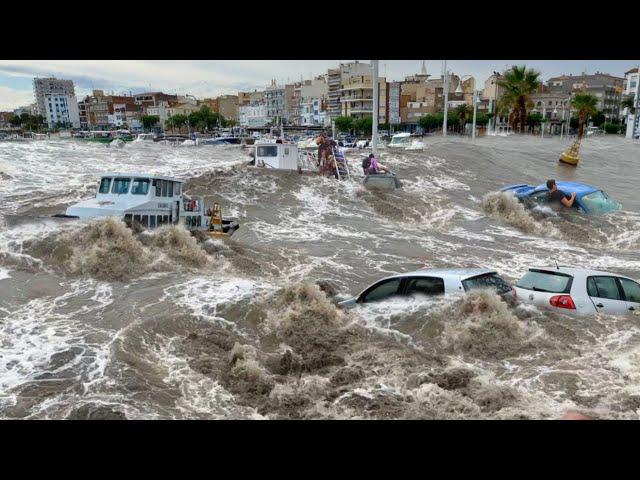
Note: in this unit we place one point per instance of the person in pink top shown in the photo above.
(372, 166)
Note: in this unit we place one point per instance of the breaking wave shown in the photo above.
(108, 250)
(507, 207)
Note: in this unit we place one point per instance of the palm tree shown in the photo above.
(586, 105)
(518, 83)
(462, 111)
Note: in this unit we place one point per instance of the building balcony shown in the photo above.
(356, 99)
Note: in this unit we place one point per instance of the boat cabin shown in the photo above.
(400, 140)
(281, 156)
(149, 201)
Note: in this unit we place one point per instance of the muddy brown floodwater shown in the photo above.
(98, 321)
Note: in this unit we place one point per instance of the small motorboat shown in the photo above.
(116, 143)
(400, 140)
(386, 181)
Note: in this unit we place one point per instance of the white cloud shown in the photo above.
(10, 98)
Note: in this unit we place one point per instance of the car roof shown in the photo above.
(457, 273)
(579, 271)
(568, 187)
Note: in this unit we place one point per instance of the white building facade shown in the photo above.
(61, 110)
(253, 115)
(46, 86)
(633, 89)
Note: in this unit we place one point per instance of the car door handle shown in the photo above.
(599, 305)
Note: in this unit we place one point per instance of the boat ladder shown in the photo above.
(342, 168)
(215, 225)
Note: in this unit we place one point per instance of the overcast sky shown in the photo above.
(209, 78)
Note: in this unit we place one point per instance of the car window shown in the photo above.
(545, 281)
(631, 290)
(382, 290)
(605, 287)
(426, 286)
(599, 202)
(491, 280)
(539, 197)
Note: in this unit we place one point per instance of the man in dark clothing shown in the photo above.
(555, 195)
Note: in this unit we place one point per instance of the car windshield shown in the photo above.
(490, 280)
(544, 281)
(599, 202)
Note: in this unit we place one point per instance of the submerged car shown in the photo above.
(589, 199)
(430, 282)
(579, 290)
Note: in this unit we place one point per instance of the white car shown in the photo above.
(579, 290)
(431, 282)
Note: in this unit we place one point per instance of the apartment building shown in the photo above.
(48, 86)
(607, 88)
(274, 100)
(61, 110)
(253, 115)
(356, 97)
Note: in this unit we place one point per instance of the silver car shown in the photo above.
(431, 282)
(578, 290)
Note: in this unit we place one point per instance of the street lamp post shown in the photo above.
(445, 87)
(475, 108)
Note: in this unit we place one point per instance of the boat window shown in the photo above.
(178, 188)
(121, 185)
(145, 220)
(163, 184)
(268, 151)
(159, 220)
(152, 221)
(631, 290)
(156, 183)
(105, 183)
(136, 219)
(382, 290)
(599, 202)
(140, 186)
(426, 286)
(170, 188)
(165, 219)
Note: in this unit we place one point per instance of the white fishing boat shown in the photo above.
(282, 156)
(151, 201)
(400, 140)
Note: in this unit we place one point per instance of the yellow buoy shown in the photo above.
(571, 156)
